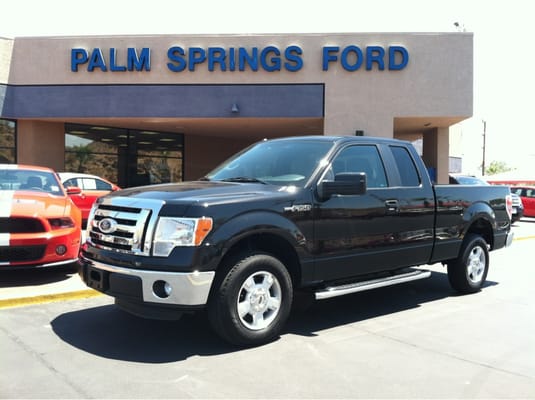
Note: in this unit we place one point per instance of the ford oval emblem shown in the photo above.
(107, 225)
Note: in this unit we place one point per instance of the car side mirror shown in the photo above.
(73, 190)
(344, 184)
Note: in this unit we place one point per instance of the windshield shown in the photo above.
(277, 162)
(32, 180)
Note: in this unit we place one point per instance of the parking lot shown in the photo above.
(416, 340)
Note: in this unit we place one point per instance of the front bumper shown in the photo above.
(187, 289)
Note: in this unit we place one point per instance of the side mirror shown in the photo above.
(73, 190)
(344, 184)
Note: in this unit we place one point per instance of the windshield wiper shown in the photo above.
(245, 179)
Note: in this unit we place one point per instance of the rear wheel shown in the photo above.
(468, 272)
(252, 300)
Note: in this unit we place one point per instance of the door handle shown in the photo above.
(392, 206)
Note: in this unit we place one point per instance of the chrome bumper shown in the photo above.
(187, 289)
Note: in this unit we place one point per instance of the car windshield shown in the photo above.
(32, 180)
(277, 162)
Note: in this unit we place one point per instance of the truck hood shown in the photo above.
(32, 204)
(206, 192)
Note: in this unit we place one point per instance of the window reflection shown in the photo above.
(123, 156)
(8, 142)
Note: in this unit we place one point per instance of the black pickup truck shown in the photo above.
(321, 215)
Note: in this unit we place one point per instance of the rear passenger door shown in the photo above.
(390, 226)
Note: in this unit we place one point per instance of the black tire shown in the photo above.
(251, 301)
(468, 272)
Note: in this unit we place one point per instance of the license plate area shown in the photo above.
(97, 279)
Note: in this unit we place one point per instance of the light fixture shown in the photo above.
(235, 109)
(427, 124)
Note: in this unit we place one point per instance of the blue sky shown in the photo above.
(504, 59)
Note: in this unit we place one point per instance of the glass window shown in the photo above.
(407, 169)
(8, 149)
(362, 158)
(277, 162)
(124, 156)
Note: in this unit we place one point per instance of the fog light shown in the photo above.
(61, 249)
(162, 289)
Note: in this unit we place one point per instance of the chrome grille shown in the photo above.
(128, 226)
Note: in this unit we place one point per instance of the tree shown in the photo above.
(497, 167)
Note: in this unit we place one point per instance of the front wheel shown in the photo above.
(468, 272)
(252, 300)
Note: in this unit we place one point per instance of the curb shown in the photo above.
(48, 298)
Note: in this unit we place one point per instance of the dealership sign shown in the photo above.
(269, 58)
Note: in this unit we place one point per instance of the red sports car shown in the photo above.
(39, 224)
(527, 195)
(91, 188)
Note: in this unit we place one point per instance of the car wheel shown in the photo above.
(468, 272)
(251, 301)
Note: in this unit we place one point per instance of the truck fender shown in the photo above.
(257, 222)
(479, 218)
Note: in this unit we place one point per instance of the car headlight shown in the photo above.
(172, 232)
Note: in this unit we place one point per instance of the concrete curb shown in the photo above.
(48, 298)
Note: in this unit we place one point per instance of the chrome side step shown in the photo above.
(333, 291)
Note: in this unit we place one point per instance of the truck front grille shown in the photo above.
(120, 225)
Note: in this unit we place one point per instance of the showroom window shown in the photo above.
(8, 141)
(126, 157)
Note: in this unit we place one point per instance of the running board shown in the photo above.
(361, 286)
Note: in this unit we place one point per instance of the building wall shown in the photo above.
(41, 143)
(43, 84)
(437, 80)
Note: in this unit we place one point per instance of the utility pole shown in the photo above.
(484, 145)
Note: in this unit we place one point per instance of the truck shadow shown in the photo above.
(35, 276)
(108, 332)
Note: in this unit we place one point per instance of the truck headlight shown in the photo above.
(172, 232)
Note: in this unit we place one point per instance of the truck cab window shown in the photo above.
(407, 170)
(362, 158)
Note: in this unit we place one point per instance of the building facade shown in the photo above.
(140, 109)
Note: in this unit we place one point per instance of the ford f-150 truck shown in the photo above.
(322, 215)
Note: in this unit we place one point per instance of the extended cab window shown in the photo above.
(362, 158)
(407, 170)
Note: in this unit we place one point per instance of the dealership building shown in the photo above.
(150, 109)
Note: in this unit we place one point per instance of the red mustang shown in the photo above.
(39, 224)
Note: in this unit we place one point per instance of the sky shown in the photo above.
(504, 58)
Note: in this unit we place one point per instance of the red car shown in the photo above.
(91, 188)
(39, 224)
(527, 195)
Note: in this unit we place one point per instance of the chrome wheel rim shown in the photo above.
(259, 300)
(477, 261)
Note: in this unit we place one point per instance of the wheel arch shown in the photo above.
(270, 243)
(483, 227)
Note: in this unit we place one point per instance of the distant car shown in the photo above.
(518, 208)
(39, 224)
(91, 188)
(527, 196)
(467, 180)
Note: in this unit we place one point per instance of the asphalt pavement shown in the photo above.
(415, 340)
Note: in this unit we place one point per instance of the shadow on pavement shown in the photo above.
(108, 332)
(35, 276)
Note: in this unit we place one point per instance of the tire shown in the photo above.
(468, 272)
(251, 301)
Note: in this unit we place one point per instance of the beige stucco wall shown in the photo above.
(6, 47)
(43, 143)
(437, 81)
(202, 155)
